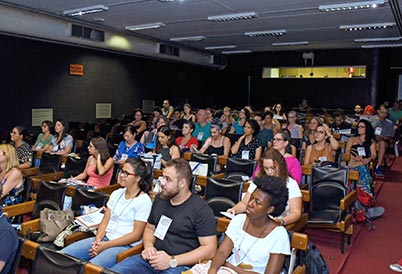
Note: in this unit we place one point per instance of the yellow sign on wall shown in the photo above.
(76, 69)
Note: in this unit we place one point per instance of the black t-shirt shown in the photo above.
(192, 219)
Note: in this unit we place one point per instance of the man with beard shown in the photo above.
(181, 229)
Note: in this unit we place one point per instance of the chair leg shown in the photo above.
(342, 243)
(349, 237)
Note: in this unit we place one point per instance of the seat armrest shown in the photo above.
(305, 195)
(222, 224)
(129, 252)
(19, 209)
(29, 249)
(299, 240)
(348, 200)
(91, 268)
(218, 176)
(77, 236)
(30, 226)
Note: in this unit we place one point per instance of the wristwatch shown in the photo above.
(172, 262)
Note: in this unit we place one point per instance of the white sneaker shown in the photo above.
(396, 267)
(396, 148)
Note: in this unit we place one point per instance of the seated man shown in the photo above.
(181, 229)
(8, 240)
(384, 133)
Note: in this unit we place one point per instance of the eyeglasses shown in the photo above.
(124, 173)
(320, 132)
(278, 139)
(361, 127)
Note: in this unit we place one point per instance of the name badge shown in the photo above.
(200, 135)
(245, 154)
(378, 130)
(361, 151)
(124, 157)
(322, 158)
(162, 227)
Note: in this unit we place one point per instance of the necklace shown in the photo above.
(237, 254)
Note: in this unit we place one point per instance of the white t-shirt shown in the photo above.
(294, 192)
(124, 212)
(255, 251)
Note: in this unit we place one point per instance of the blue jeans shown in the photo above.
(137, 265)
(106, 258)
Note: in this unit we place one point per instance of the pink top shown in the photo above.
(96, 180)
(293, 166)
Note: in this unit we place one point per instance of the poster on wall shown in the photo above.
(103, 110)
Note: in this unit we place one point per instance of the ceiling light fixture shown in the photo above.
(278, 32)
(233, 16)
(381, 46)
(290, 44)
(381, 39)
(188, 39)
(366, 26)
(85, 10)
(351, 6)
(145, 26)
(236, 52)
(221, 47)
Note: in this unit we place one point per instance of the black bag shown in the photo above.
(312, 258)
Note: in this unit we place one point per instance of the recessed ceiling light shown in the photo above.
(300, 43)
(145, 26)
(278, 32)
(351, 6)
(381, 46)
(381, 39)
(221, 47)
(85, 10)
(367, 26)
(233, 16)
(236, 52)
(188, 38)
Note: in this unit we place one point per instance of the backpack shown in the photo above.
(312, 258)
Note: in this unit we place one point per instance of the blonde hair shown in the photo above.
(11, 154)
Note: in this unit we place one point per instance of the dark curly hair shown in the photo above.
(276, 188)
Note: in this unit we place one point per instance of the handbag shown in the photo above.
(154, 158)
(198, 168)
(52, 222)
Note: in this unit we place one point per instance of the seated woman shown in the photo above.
(129, 147)
(149, 137)
(44, 139)
(10, 176)
(274, 164)
(187, 140)
(99, 167)
(125, 217)
(62, 142)
(24, 151)
(139, 124)
(238, 125)
(217, 144)
(281, 142)
(248, 146)
(361, 149)
(166, 145)
(253, 241)
(324, 147)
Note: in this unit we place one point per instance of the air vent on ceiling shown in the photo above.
(169, 50)
(87, 33)
(218, 60)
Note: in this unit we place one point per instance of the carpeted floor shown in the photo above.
(371, 252)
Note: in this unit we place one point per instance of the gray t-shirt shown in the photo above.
(383, 128)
